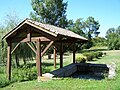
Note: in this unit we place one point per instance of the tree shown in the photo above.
(118, 30)
(92, 26)
(78, 27)
(23, 51)
(3, 53)
(113, 38)
(50, 11)
(99, 41)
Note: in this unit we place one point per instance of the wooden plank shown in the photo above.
(66, 41)
(9, 60)
(61, 55)
(47, 48)
(54, 57)
(23, 39)
(41, 38)
(38, 59)
(31, 48)
(15, 48)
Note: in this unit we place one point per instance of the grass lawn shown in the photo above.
(75, 84)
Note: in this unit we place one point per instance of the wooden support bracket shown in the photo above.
(15, 48)
(31, 47)
(47, 48)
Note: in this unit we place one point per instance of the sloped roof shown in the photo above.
(53, 30)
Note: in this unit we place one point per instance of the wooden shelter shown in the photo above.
(32, 31)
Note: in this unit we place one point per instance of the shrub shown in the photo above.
(81, 59)
(3, 81)
(100, 54)
(25, 73)
(89, 56)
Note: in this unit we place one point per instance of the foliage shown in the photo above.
(10, 22)
(77, 27)
(27, 72)
(99, 41)
(50, 12)
(100, 54)
(85, 28)
(92, 26)
(3, 81)
(3, 47)
(113, 38)
(89, 56)
(22, 52)
(81, 59)
(92, 55)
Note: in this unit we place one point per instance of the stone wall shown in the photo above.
(78, 67)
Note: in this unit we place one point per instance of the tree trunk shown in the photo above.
(16, 61)
(24, 61)
(49, 56)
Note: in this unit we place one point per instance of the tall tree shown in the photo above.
(113, 38)
(50, 11)
(92, 26)
(77, 27)
(23, 51)
(118, 30)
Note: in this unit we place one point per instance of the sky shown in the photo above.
(107, 12)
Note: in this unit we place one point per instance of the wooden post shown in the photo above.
(38, 59)
(9, 60)
(54, 57)
(61, 55)
(74, 50)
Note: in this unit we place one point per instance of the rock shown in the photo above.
(48, 75)
(112, 72)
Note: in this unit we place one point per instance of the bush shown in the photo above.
(27, 72)
(91, 55)
(100, 54)
(80, 59)
(3, 81)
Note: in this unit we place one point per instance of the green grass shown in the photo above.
(74, 84)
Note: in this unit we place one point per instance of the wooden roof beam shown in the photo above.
(25, 39)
